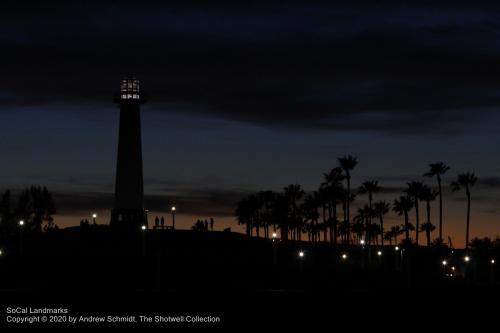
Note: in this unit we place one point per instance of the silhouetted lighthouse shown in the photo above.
(128, 211)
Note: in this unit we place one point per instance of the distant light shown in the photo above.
(344, 256)
(274, 235)
(1, 252)
(301, 254)
(143, 227)
(453, 268)
(21, 223)
(467, 259)
(444, 263)
(492, 261)
(379, 253)
(362, 242)
(173, 208)
(94, 215)
(396, 248)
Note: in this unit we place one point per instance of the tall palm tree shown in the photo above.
(414, 190)
(311, 214)
(428, 195)
(369, 187)
(402, 206)
(266, 199)
(293, 194)
(334, 193)
(465, 181)
(380, 208)
(437, 170)
(348, 163)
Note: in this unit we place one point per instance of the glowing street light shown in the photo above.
(452, 268)
(466, 259)
(444, 263)
(21, 223)
(173, 217)
(301, 254)
(362, 242)
(379, 253)
(344, 256)
(94, 215)
(396, 248)
(1, 252)
(275, 235)
(143, 227)
(492, 261)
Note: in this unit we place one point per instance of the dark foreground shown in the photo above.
(228, 280)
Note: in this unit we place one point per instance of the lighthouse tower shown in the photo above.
(128, 211)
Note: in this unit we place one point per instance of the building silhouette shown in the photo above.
(128, 211)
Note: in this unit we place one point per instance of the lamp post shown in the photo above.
(143, 231)
(362, 243)
(492, 271)
(21, 245)
(301, 259)
(444, 263)
(396, 256)
(275, 254)
(94, 217)
(173, 217)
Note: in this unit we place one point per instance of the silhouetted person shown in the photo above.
(162, 222)
(206, 225)
(81, 223)
(211, 224)
(157, 222)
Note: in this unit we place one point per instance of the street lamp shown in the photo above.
(173, 217)
(466, 259)
(94, 216)
(362, 242)
(21, 246)
(275, 235)
(396, 248)
(143, 227)
(301, 254)
(379, 253)
(492, 261)
(444, 263)
(344, 256)
(1, 252)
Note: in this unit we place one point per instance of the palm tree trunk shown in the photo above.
(417, 221)
(428, 229)
(335, 224)
(407, 232)
(440, 210)
(468, 221)
(382, 230)
(348, 178)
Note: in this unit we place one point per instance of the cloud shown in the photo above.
(392, 69)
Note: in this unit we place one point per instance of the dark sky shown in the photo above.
(245, 97)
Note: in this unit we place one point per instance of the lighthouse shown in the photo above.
(128, 212)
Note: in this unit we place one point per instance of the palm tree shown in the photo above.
(414, 190)
(293, 194)
(348, 163)
(437, 170)
(266, 199)
(428, 195)
(465, 181)
(310, 210)
(333, 192)
(402, 206)
(369, 188)
(380, 208)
